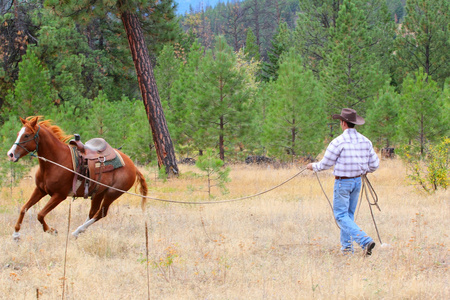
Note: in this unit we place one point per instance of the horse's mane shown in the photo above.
(55, 130)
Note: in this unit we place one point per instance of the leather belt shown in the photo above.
(343, 177)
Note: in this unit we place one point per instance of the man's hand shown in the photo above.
(309, 166)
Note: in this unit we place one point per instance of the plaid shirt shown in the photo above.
(352, 153)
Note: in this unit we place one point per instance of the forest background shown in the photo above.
(253, 77)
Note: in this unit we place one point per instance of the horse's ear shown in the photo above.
(33, 122)
(22, 120)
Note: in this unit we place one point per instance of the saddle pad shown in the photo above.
(109, 165)
(74, 154)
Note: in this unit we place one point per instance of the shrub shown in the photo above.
(216, 174)
(429, 171)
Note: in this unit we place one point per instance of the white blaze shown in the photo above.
(14, 147)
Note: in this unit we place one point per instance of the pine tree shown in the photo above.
(255, 142)
(234, 13)
(318, 21)
(281, 42)
(184, 91)
(296, 123)
(313, 29)
(133, 14)
(32, 94)
(210, 99)
(17, 32)
(260, 17)
(138, 143)
(423, 40)
(382, 117)
(166, 72)
(103, 111)
(249, 138)
(422, 116)
(66, 116)
(73, 65)
(251, 48)
(351, 71)
(396, 10)
(221, 106)
(216, 174)
(198, 23)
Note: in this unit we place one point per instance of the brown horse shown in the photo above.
(49, 142)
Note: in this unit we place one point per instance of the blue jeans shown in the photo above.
(345, 200)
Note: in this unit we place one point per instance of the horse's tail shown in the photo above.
(144, 188)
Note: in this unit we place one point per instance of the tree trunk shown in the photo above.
(221, 140)
(147, 84)
(422, 136)
(293, 133)
(21, 37)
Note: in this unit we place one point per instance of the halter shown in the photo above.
(35, 139)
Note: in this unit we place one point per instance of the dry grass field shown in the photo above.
(281, 245)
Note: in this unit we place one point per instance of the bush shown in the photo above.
(430, 171)
(216, 174)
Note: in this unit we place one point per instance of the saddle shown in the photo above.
(92, 159)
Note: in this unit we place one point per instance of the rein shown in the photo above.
(35, 139)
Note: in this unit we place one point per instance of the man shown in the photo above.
(353, 156)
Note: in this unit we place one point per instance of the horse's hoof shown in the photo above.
(52, 231)
(16, 236)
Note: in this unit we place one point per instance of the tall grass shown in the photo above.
(281, 245)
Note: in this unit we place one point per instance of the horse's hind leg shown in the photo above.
(35, 197)
(99, 209)
(107, 201)
(95, 204)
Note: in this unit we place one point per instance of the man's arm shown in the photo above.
(374, 161)
(328, 160)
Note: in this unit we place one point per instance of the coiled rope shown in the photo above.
(366, 188)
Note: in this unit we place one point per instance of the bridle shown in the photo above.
(35, 139)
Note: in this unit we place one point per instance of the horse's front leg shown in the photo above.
(37, 195)
(51, 204)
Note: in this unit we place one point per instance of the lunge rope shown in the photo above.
(366, 186)
(329, 202)
(174, 201)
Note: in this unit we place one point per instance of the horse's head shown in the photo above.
(27, 139)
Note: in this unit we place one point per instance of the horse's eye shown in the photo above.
(26, 136)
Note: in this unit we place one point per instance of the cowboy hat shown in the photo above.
(349, 115)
